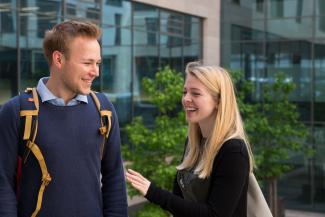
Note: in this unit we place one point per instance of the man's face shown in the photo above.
(81, 67)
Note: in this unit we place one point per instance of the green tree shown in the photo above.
(274, 130)
(155, 151)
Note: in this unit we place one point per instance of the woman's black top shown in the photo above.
(227, 196)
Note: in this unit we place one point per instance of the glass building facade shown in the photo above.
(263, 37)
(137, 41)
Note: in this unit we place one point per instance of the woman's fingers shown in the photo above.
(133, 172)
(137, 181)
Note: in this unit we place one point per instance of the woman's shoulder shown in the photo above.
(234, 149)
(234, 145)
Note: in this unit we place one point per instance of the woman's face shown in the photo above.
(199, 105)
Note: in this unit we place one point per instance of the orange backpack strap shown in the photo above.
(30, 132)
(105, 122)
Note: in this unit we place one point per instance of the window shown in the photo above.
(277, 8)
(259, 5)
(299, 11)
(114, 2)
(117, 29)
(93, 13)
(151, 25)
(71, 9)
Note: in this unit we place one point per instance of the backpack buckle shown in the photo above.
(46, 179)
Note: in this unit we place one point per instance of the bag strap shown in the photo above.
(30, 132)
(105, 122)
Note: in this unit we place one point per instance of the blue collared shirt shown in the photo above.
(47, 96)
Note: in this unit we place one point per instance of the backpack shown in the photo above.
(29, 112)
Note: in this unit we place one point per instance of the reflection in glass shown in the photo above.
(320, 71)
(294, 60)
(116, 69)
(146, 64)
(145, 17)
(280, 29)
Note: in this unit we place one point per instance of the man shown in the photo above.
(84, 179)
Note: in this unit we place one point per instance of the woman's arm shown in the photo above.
(228, 180)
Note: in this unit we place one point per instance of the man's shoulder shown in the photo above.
(11, 107)
(104, 101)
(13, 102)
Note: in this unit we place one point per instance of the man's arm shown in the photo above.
(9, 138)
(113, 181)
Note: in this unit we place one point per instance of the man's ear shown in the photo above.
(57, 58)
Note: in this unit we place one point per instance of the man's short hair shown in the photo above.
(59, 37)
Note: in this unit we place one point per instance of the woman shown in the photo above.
(212, 179)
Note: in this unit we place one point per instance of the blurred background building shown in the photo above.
(259, 37)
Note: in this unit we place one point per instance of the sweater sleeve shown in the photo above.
(113, 181)
(9, 139)
(228, 180)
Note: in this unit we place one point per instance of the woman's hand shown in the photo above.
(138, 181)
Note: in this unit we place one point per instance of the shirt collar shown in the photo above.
(47, 95)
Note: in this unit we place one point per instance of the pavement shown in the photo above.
(137, 202)
(296, 213)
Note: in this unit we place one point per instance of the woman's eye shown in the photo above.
(184, 92)
(196, 94)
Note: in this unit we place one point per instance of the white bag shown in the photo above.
(256, 203)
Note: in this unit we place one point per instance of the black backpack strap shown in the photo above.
(105, 121)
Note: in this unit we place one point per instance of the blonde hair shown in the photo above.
(228, 123)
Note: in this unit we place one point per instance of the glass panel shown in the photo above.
(115, 36)
(145, 62)
(294, 59)
(319, 63)
(294, 187)
(191, 51)
(320, 7)
(243, 33)
(116, 70)
(320, 27)
(83, 9)
(170, 51)
(145, 17)
(280, 29)
(116, 13)
(289, 8)
(36, 17)
(319, 173)
(8, 51)
(145, 38)
(7, 13)
(304, 186)
(192, 27)
(248, 11)
(47, 14)
(171, 23)
(247, 57)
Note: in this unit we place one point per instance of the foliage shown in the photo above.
(272, 125)
(156, 151)
(151, 210)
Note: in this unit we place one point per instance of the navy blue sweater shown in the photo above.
(70, 142)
